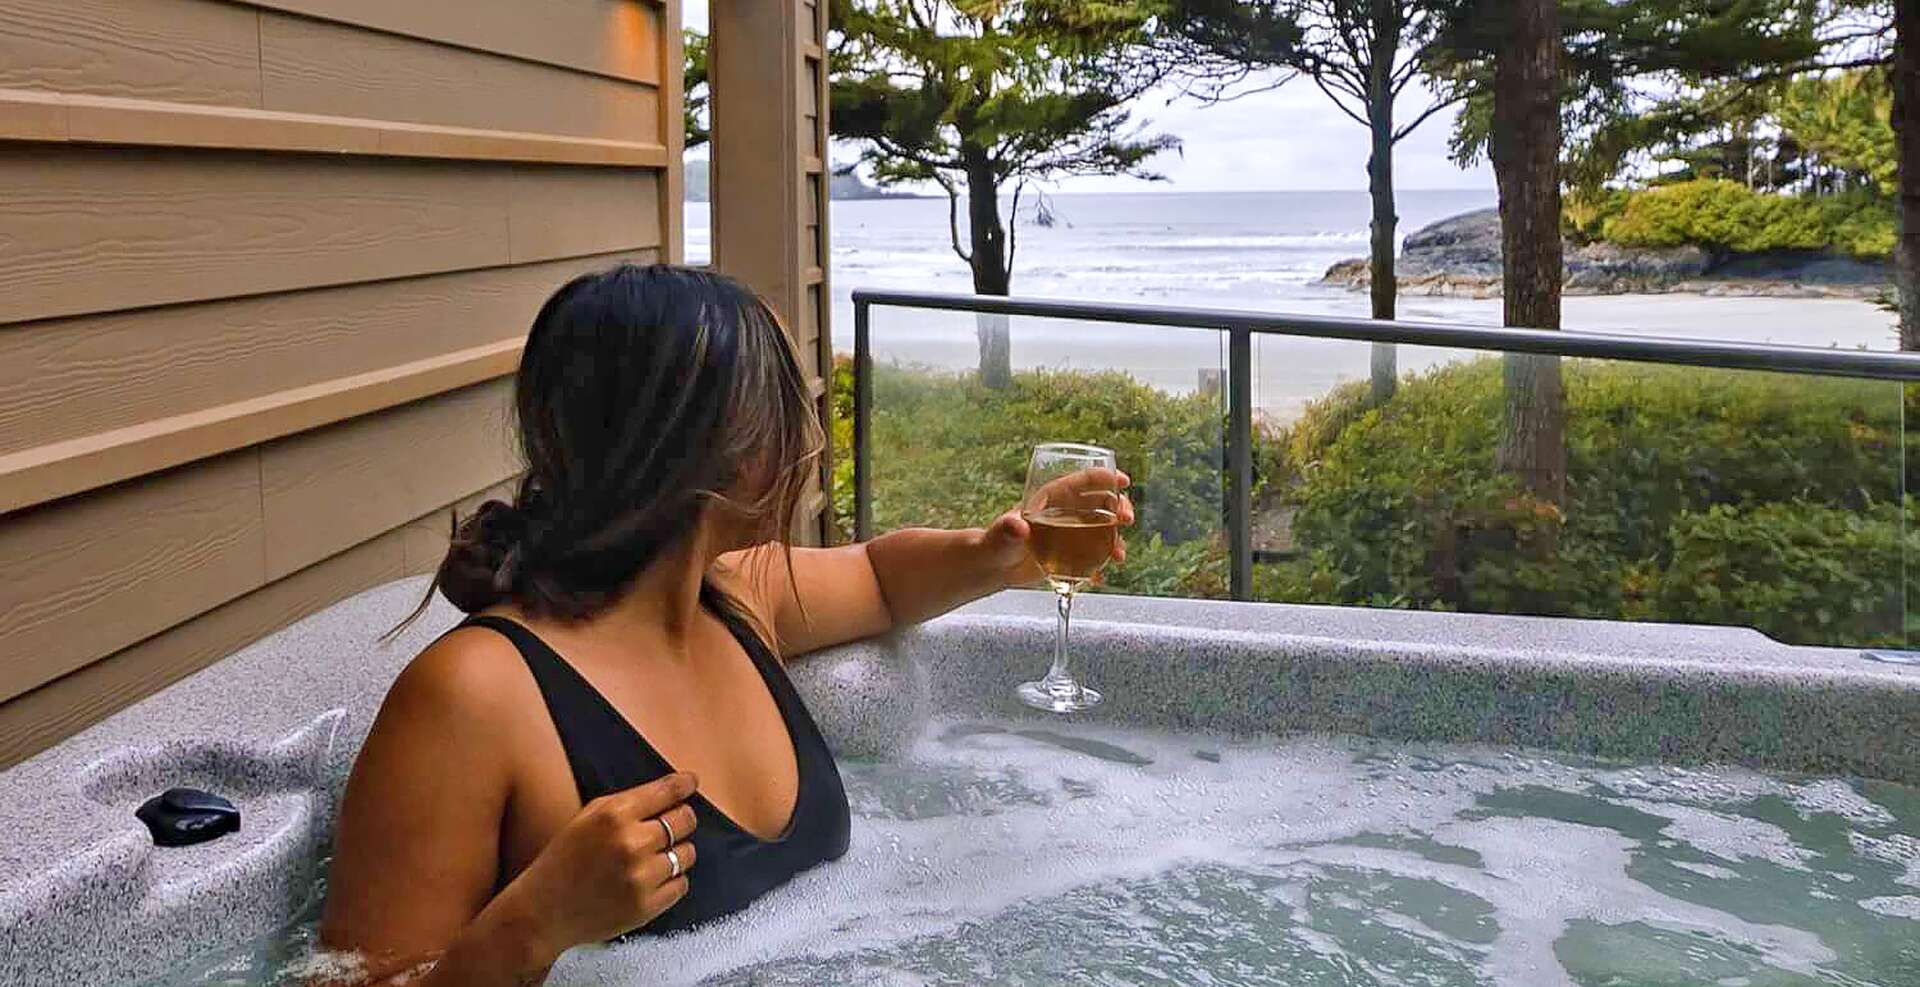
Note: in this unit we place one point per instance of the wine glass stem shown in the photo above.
(1058, 678)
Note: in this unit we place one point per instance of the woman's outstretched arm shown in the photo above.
(835, 595)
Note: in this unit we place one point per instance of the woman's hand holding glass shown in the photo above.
(1007, 538)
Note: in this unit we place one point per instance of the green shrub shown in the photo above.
(1728, 216)
(950, 452)
(1585, 214)
(1155, 567)
(1404, 505)
(1799, 571)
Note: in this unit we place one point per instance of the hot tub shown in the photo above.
(1273, 794)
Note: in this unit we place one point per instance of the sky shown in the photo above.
(1289, 138)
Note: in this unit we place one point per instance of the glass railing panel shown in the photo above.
(950, 445)
(1643, 492)
(1450, 479)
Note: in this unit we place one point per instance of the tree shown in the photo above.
(1525, 148)
(1616, 80)
(694, 90)
(1906, 124)
(1651, 79)
(977, 96)
(1844, 121)
(1363, 54)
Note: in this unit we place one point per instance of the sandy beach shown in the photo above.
(1290, 371)
(1258, 251)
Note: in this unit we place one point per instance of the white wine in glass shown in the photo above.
(1072, 506)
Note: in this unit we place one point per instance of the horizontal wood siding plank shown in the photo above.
(29, 115)
(317, 67)
(192, 51)
(329, 489)
(425, 540)
(91, 230)
(424, 141)
(562, 212)
(93, 574)
(47, 472)
(614, 38)
(81, 376)
(63, 707)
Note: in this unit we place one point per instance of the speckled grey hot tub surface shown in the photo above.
(84, 898)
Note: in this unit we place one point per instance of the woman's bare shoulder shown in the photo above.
(467, 673)
(756, 579)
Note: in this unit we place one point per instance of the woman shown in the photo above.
(610, 743)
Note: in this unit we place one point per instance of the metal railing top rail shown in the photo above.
(1685, 351)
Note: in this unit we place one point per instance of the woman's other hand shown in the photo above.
(606, 872)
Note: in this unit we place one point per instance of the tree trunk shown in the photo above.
(1525, 148)
(1906, 127)
(990, 274)
(1385, 281)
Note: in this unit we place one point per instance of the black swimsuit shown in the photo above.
(608, 755)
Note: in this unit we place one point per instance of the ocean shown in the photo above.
(1264, 251)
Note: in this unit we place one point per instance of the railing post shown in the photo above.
(1240, 461)
(862, 424)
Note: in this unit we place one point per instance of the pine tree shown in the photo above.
(982, 96)
(1363, 54)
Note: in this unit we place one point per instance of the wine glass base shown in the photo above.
(1058, 698)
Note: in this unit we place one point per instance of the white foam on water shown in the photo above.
(1013, 852)
(1894, 848)
(1835, 797)
(1257, 241)
(1706, 870)
(324, 967)
(1008, 818)
(1899, 906)
(1724, 835)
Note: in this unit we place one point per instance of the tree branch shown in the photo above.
(1013, 223)
(1321, 81)
(1422, 118)
(953, 217)
(894, 148)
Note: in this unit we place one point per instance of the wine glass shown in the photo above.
(1074, 513)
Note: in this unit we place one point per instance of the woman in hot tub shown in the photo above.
(609, 744)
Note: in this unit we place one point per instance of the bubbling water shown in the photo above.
(1011, 853)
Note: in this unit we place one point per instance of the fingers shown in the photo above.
(680, 819)
(659, 870)
(1098, 478)
(1097, 487)
(652, 798)
(664, 897)
(1009, 531)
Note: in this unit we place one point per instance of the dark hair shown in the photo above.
(644, 395)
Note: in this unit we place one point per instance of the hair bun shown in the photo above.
(482, 562)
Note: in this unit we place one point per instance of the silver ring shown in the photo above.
(664, 824)
(673, 861)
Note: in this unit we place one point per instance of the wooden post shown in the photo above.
(673, 136)
(768, 75)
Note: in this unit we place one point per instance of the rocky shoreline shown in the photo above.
(1459, 257)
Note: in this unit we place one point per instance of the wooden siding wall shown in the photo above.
(264, 268)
